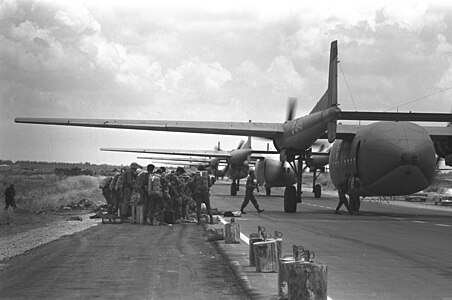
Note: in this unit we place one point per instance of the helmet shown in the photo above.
(134, 165)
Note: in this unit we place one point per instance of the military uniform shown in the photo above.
(175, 194)
(251, 184)
(156, 203)
(342, 190)
(114, 193)
(141, 185)
(119, 187)
(10, 193)
(105, 186)
(353, 187)
(201, 184)
(130, 176)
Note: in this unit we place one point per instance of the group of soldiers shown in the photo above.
(158, 192)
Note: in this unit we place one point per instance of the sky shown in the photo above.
(207, 60)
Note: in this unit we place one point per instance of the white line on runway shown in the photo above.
(420, 222)
(443, 225)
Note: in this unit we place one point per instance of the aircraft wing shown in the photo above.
(394, 116)
(438, 132)
(186, 159)
(264, 130)
(345, 131)
(205, 153)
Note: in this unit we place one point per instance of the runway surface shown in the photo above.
(122, 261)
(386, 252)
(389, 251)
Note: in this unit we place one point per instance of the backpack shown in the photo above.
(105, 182)
(202, 183)
(114, 181)
(155, 185)
(120, 182)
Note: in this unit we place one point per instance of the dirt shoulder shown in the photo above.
(26, 231)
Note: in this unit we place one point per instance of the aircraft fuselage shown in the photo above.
(299, 134)
(391, 158)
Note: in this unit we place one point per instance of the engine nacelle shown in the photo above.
(239, 156)
(273, 173)
(317, 161)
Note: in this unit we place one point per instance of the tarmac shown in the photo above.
(123, 261)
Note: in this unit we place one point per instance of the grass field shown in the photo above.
(38, 191)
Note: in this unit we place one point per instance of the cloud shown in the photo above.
(223, 61)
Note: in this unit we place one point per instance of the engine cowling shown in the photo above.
(239, 156)
(274, 174)
(317, 161)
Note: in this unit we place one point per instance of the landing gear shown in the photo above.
(268, 191)
(233, 189)
(292, 195)
(317, 191)
(316, 188)
(290, 199)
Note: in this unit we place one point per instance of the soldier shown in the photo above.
(353, 187)
(251, 184)
(142, 187)
(130, 176)
(155, 192)
(201, 184)
(175, 191)
(10, 193)
(105, 187)
(114, 193)
(342, 190)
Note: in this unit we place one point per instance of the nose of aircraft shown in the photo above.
(396, 158)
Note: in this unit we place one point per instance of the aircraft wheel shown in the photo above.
(317, 191)
(233, 189)
(290, 199)
(268, 191)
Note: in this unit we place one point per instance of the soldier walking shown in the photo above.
(251, 184)
(342, 190)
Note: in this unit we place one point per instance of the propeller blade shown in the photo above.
(291, 108)
(241, 144)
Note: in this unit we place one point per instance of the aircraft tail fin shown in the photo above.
(247, 144)
(332, 90)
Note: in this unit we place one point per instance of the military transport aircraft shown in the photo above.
(393, 156)
(238, 160)
(269, 172)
